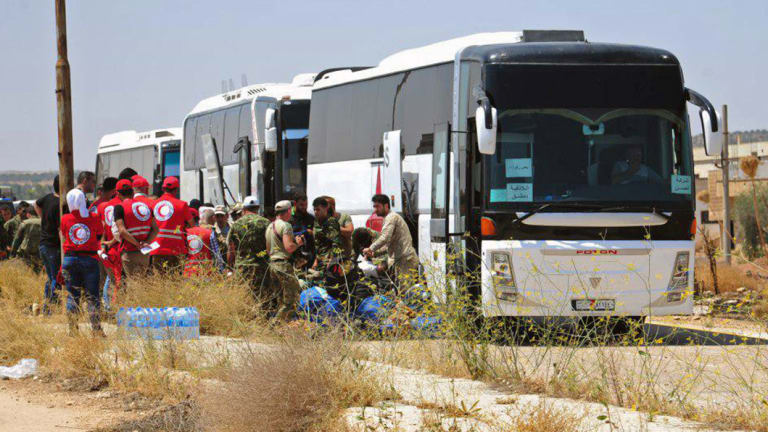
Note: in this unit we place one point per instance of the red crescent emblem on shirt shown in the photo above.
(195, 244)
(163, 210)
(141, 211)
(79, 234)
(109, 215)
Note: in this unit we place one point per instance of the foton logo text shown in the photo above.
(597, 252)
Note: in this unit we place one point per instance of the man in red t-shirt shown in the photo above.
(137, 229)
(172, 217)
(106, 212)
(79, 232)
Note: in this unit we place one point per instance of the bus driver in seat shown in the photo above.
(632, 169)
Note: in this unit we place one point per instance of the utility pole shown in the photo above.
(726, 234)
(63, 105)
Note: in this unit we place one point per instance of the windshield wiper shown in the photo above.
(560, 204)
(591, 207)
(638, 208)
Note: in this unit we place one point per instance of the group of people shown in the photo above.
(127, 233)
(272, 253)
(20, 234)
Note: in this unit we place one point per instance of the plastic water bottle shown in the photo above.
(153, 322)
(121, 316)
(195, 324)
(160, 323)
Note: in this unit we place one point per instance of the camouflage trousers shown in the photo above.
(285, 289)
(257, 277)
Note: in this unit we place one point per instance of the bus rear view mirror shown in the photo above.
(270, 131)
(713, 141)
(486, 122)
(710, 122)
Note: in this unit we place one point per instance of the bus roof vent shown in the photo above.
(231, 97)
(160, 134)
(553, 36)
(254, 91)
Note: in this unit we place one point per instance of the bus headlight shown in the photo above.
(503, 276)
(679, 280)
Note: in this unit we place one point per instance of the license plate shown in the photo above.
(593, 305)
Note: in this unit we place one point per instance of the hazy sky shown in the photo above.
(143, 64)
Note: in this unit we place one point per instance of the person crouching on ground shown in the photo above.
(200, 250)
(396, 236)
(79, 232)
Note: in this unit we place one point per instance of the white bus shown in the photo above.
(153, 154)
(233, 140)
(560, 169)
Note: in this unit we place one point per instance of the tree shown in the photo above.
(749, 166)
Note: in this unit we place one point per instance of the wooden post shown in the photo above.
(726, 233)
(63, 105)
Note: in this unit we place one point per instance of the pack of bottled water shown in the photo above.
(160, 323)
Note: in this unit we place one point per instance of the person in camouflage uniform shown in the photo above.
(281, 244)
(247, 251)
(396, 236)
(26, 242)
(5, 238)
(12, 225)
(345, 226)
(327, 232)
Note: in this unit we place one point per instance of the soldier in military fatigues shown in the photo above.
(5, 238)
(281, 245)
(247, 245)
(26, 242)
(396, 236)
(12, 225)
(327, 232)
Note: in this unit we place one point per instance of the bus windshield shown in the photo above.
(598, 149)
(295, 131)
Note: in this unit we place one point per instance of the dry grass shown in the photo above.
(450, 409)
(24, 337)
(729, 278)
(181, 417)
(760, 309)
(226, 305)
(20, 287)
(301, 384)
(545, 417)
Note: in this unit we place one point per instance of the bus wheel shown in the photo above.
(628, 328)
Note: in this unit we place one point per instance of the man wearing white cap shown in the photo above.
(281, 245)
(247, 245)
(221, 226)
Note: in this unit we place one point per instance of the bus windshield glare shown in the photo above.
(594, 136)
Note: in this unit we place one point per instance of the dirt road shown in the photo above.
(18, 413)
(31, 405)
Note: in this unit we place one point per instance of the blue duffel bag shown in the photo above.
(373, 309)
(427, 326)
(318, 306)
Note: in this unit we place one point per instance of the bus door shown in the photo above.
(265, 154)
(436, 268)
(392, 171)
(214, 179)
(243, 148)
